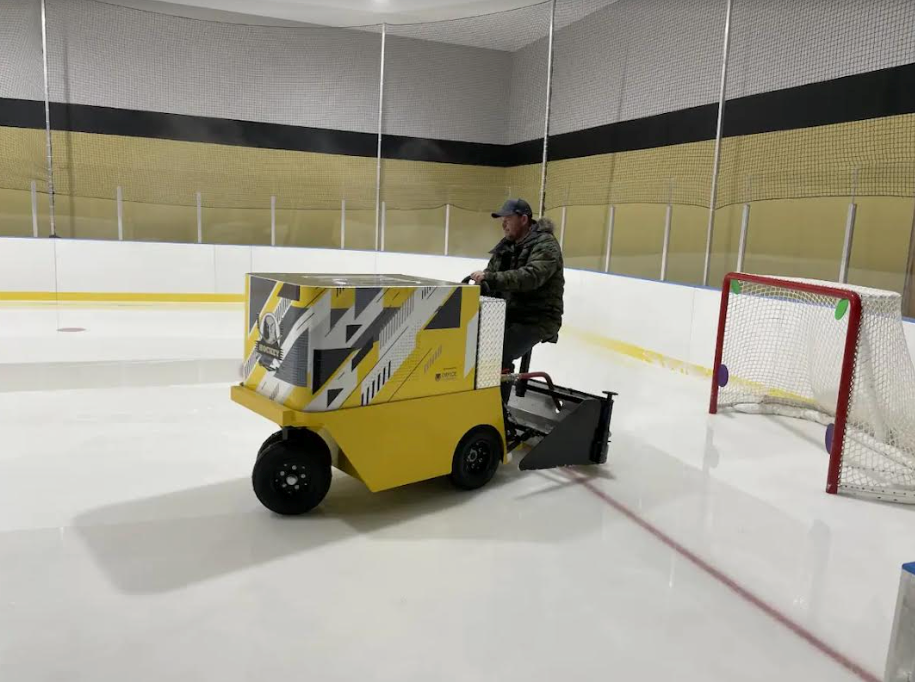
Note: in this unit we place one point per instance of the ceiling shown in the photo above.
(368, 12)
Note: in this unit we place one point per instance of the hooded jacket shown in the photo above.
(528, 274)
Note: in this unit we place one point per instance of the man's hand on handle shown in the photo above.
(478, 276)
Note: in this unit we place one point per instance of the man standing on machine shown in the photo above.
(526, 269)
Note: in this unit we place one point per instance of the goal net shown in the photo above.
(834, 354)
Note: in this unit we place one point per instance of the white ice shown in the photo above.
(132, 546)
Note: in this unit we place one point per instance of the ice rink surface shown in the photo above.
(133, 548)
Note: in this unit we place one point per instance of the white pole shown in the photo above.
(272, 220)
(546, 120)
(447, 225)
(120, 197)
(47, 117)
(343, 224)
(846, 248)
(199, 219)
(383, 216)
(908, 290)
(666, 248)
(34, 209)
(714, 198)
(610, 220)
(744, 228)
(562, 227)
(378, 210)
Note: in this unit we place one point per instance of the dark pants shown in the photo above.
(519, 339)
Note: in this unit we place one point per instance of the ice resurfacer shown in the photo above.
(393, 380)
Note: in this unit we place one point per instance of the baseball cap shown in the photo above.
(514, 207)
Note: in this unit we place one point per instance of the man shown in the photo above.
(526, 269)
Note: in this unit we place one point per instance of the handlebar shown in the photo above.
(484, 287)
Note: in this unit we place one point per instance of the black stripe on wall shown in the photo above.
(83, 118)
(888, 92)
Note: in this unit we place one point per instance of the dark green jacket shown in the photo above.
(529, 276)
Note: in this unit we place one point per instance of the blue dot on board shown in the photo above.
(723, 375)
(830, 434)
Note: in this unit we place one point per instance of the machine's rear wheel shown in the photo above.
(292, 476)
(476, 458)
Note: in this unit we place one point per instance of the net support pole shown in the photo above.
(908, 290)
(846, 247)
(343, 223)
(713, 200)
(47, 116)
(611, 219)
(120, 197)
(384, 210)
(34, 208)
(447, 226)
(744, 229)
(546, 118)
(273, 220)
(199, 219)
(665, 249)
(379, 213)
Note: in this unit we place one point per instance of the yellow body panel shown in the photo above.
(394, 443)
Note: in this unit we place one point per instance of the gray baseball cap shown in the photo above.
(515, 207)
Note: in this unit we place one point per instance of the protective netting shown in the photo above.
(800, 50)
(632, 123)
(453, 107)
(453, 102)
(177, 111)
(783, 352)
(635, 66)
(23, 151)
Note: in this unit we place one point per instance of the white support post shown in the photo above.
(546, 117)
(199, 219)
(384, 211)
(34, 209)
(713, 200)
(120, 214)
(47, 118)
(272, 220)
(379, 210)
(562, 227)
(849, 236)
(343, 223)
(666, 248)
(908, 289)
(447, 226)
(744, 228)
(610, 221)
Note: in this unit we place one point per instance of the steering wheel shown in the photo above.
(484, 287)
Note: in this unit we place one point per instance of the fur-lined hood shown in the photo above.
(545, 225)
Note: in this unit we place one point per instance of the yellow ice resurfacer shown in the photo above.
(395, 379)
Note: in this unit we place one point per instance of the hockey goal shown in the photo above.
(834, 354)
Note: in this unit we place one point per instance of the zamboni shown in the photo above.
(394, 380)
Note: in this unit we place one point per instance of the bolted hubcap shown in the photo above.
(478, 456)
(290, 479)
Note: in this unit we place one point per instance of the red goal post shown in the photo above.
(834, 354)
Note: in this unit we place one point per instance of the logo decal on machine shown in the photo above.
(269, 350)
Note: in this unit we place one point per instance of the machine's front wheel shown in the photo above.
(292, 476)
(476, 459)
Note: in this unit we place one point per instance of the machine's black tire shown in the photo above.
(292, 476)
(278, 436)
(476, 458)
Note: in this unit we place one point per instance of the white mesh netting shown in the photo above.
(782, 353)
